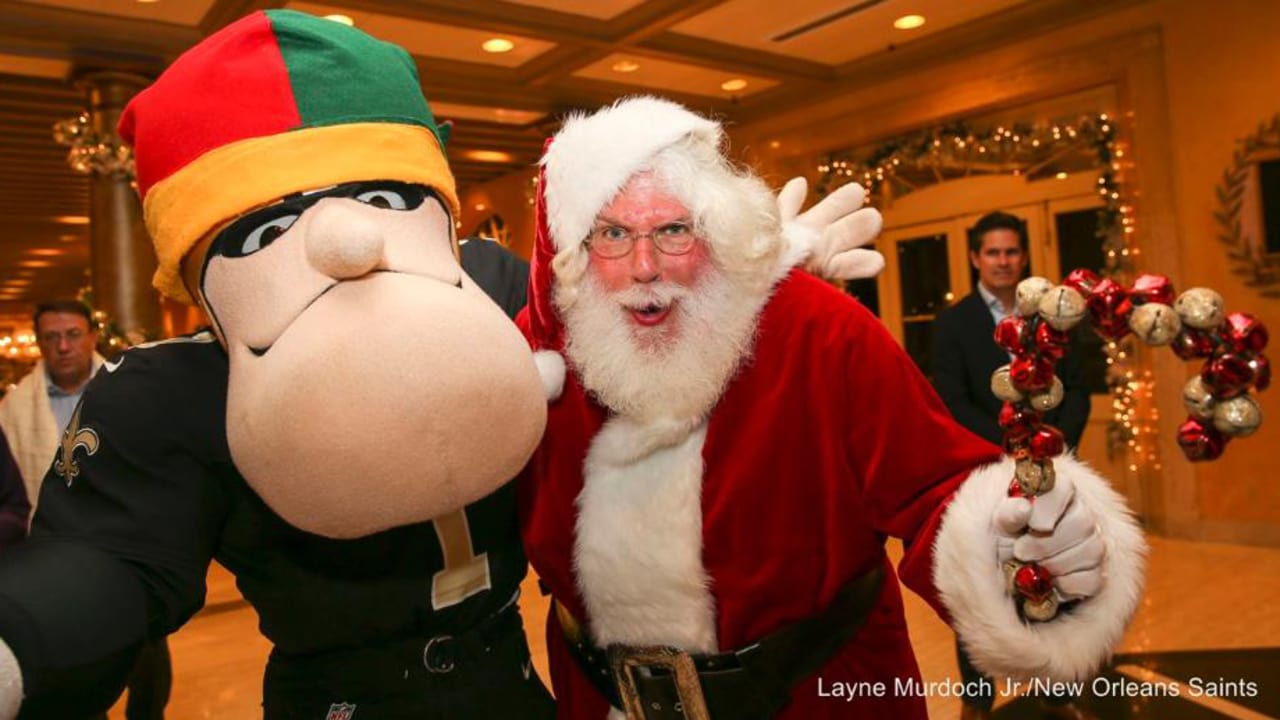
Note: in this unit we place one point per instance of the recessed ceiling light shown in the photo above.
(480, 207)
(497, 45)
(626, 66)
(495, 156)
(909, 22)
(35, 263)
(148, 2)
(1061, 176)
(341, 19)
(45, 251)
(733, 85)
(775, 144)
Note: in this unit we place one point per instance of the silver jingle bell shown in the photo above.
(1197, 398)
(1062, 307)
(1155, 323)
(1029, 294)
(1200, 308)
(1238, 417)
(1002, 386)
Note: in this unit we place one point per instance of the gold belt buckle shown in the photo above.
(625, 660)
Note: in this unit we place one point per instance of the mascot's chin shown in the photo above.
(430, 401)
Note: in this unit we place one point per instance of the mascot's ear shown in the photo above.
(551, 367)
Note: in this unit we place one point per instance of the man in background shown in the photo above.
(964, 357)
(34, 413)
(32, 417)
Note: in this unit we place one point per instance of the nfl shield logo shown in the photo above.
(340, 711)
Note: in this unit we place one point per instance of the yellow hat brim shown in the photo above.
(234, 179)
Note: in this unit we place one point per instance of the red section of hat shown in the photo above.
(545, 326)
(231, 87)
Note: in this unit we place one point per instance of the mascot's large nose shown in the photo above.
(342, 241)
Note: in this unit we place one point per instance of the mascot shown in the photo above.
(339, 441)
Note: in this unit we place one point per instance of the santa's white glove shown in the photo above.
(827, 239)
(1057, 533)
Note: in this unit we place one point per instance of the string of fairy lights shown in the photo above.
(956, 150)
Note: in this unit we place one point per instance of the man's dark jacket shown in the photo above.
(964, 356)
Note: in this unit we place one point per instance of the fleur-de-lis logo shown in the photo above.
(74, 437)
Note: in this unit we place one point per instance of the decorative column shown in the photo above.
(121, 258)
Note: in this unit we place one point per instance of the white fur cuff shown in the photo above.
(971, 584)
(551, 368)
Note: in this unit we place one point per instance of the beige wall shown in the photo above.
(1223, 67)
(507, 196)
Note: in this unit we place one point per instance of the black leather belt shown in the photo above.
(661, 683)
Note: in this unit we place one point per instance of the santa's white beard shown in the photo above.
(676, 370)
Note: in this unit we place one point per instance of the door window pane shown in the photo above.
(925, 278)
(1080, 247)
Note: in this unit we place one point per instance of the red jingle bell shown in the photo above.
(1227, 376)
(1047, 442)
(1033, 582)
(1191, 343)
(1031, 374)
(1152, 288)
(1109, 307)
(1009, 334)
(1018, 422)
(1051, 342)
(1261, 371)
(1242, 332)
(1200, 441)
(1082, 281)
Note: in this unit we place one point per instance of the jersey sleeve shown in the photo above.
(128, 521)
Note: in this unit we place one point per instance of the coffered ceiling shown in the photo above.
(564, 55)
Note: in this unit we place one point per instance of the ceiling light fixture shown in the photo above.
(1061, 176)
(35, 263)
(626, 66)
(733, 85)
(45, 251)
(341, 19)
(909, 22)
(493, 156)
(497, 45)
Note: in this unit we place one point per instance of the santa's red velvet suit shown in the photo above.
(710, 535)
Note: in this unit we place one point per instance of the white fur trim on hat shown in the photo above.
(551, 367)
(972, 586)
(592, 157)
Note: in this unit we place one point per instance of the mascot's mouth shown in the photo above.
(260, 351)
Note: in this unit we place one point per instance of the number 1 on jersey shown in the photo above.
(464, 573)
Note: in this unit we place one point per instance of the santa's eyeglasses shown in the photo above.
(615, 241)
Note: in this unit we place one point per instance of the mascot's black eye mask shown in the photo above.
(260, 228)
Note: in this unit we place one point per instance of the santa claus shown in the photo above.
(729, 444)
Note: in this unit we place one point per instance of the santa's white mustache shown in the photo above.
(639, 297)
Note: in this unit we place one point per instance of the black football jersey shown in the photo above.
(143, 494)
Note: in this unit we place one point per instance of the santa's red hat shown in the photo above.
(584, 166)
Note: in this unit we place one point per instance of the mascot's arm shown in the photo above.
(940, 488)
(116, 556)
